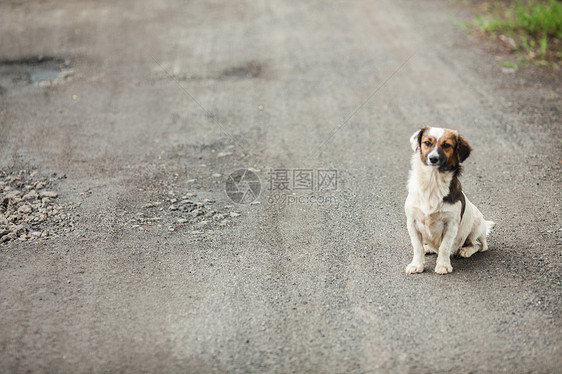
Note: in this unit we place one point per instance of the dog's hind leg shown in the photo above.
(481, 235)
(482, 239)
(476, 242)
(468, 250)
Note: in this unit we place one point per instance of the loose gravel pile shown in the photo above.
(184, 210)
(29, 207)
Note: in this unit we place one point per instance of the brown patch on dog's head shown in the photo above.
(448, 145)
(463, 148)
(455, 148)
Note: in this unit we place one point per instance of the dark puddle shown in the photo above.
(42, 71)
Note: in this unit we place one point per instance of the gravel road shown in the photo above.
(132, 115)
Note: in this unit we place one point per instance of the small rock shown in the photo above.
(44, 84)
(197, 212)
(508, 42)
(24, 209)
(36, 234)
(217, 175)
(181, 220)
(51, 194)
(3, 231)
(19, 230)
(151, 205)
(234, 214)
(13, 195)
(31, 195)
(224, 222)
(223, 154)
(173, 207)
(507, 70)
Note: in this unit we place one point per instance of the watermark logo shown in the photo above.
(243, 186)
(302, 186)
(284, 186)
(311, 180)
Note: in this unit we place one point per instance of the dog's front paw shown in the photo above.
(443, 268)
(414, 268)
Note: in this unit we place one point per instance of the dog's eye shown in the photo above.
(445, 145)
(427, 143)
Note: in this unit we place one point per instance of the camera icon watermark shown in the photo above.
(243, 186)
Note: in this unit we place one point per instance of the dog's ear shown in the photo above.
(415, 139)
(463, 148)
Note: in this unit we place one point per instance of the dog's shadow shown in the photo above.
(477, 262)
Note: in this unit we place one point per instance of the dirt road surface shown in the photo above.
(136, 112)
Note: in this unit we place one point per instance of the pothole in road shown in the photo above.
(249, 70)
(36, 71)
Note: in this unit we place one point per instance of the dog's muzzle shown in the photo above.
(435, 157)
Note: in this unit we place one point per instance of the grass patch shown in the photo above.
(531, 28)
(509, 64)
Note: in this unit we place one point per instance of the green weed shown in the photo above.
(534, 27)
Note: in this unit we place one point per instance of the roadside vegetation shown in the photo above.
(532, 30)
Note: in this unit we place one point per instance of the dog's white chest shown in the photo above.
(431, 226)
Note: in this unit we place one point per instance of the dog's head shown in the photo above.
(438, 147)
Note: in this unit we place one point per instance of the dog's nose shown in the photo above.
(434, 159)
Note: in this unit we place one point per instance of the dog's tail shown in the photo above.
(489, 226)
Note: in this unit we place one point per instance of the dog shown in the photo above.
(439, 215)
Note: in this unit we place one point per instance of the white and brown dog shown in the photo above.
(439, 215)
